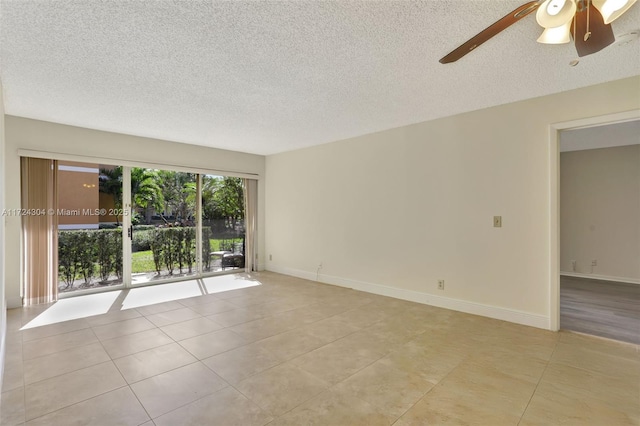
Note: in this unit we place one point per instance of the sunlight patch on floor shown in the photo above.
(160, 293)
(74, 308)
(228, 282)
(100, 303)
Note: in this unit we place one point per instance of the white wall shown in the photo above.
(395, 211)
(609, 136)
(3, 306)
(22, 133)
(600, 212)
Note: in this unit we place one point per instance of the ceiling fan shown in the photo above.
(588, 22)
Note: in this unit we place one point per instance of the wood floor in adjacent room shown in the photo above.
(282, 351)
(600, 308)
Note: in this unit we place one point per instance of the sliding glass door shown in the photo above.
(114, 225)
(163, 225)
(89, 226)
(223, 231)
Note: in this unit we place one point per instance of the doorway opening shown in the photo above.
(599, 230)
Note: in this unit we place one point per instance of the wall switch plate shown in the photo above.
(497, 221)
(440, 284)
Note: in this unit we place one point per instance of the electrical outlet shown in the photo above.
(440, 284)
(594, 262)
(497, 221)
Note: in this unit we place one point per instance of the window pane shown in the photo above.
(223, 233)
(89, 226)
(163, 245)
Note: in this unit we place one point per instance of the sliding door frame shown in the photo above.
(127, 165)
(199, 225)
(127, 230)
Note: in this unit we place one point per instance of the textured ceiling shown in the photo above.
(267, 77)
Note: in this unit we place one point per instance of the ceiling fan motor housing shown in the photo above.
(555, 13)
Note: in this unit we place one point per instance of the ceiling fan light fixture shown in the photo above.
(555, 13)
(612, 9)
(557, 35)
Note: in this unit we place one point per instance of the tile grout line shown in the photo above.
(539, 380)
(71, 405)
(269, 411)
(84, 400)
(192, 402)
(139, 402)
(197, 360)
(285, 361)
(431, 390)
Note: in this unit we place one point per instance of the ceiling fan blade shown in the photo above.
(601, 33)
(490, 31)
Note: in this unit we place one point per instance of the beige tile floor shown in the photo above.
(295, 352)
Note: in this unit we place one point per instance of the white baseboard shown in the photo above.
(601, 277)
(14, 302)
(511, 315)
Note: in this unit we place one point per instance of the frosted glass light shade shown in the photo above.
(557, 35)
(555, 13)
(612, 9)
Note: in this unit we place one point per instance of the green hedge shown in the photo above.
(173, 248)
(89, 253)
(97, 253)
(144, 227)
(142, 239)
(206, 248)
